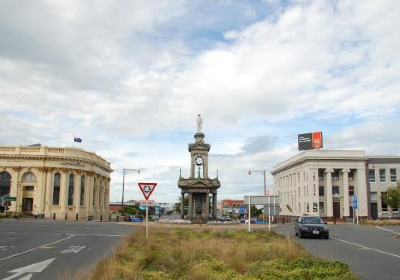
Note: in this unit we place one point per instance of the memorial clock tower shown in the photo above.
(201, 189)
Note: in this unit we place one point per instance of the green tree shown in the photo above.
(392, 196)
(254, 211)
(130, 210)
(178, 204)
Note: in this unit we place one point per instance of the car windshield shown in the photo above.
(311, 220)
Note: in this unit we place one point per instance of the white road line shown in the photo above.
(367, 248)
(73, 249)
(27, 251)
(388, 230)
(98, 234)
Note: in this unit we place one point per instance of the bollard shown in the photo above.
(66, 216)
(101, 217)
(109, 218)
(283, 220)
(76, 217)
(117, 219)
(54, 216)
(334, 220)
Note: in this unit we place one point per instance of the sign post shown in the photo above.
(147, 189)
(355, 208)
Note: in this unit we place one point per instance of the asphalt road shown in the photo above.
(44, 249)
(371, 252)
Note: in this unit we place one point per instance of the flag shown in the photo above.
(76, 139)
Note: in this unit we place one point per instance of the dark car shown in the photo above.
(312, 227)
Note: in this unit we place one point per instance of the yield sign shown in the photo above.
(147, 189)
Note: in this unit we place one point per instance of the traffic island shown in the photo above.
(179, 253)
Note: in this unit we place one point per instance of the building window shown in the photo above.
(29, 188)
(315, 207)
(335, 175)
(351, 190)
(371, 175)
(384, 205)
(225, 205)
(28, 176)
(393, 175)
(335, 190)
(71, 189)
(351, 176)
(320, 174)
(373, 195)
(5, 183)
(56, 188)
(321, 207)
(382, 175)
(308, 207)
(82, 189)
(321, 190)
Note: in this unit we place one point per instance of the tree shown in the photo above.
(254, 211)
(392, 196)
(178, 204)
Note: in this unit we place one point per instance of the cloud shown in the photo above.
(130, 79)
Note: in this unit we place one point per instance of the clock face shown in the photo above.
(199, 160)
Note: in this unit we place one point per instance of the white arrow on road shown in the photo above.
(32, 268)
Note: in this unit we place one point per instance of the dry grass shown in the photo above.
(386, 222)
(176, 253)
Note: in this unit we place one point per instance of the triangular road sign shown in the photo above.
(147, 189)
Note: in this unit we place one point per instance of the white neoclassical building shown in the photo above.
(56, 182)
(324, 182)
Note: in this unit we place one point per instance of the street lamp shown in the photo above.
(123, 186)
(265, 180)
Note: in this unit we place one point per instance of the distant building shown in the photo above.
(324, 183)
(56, 182)
(232, 207)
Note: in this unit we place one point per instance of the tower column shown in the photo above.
(207, 206)
(190, 210)
(214, 214)
(182, 212)
(329, 198)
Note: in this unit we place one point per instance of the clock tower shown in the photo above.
(201, 190)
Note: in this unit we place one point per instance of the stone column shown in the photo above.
(207, 206)
(77, 191)
(362, 193)
(215, 202)
(346, 212)
(90, 194)
(49, 192)
(190, 210)
(182, 210)
(86, 198)
(15, 206)
(64, 184)
(102, 191)
(329, 197)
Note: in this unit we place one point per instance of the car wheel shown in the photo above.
(295, 233)
(327, 236)
(300, 235)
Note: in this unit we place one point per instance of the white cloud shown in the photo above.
(125, 77)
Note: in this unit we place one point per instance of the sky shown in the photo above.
(130, 77)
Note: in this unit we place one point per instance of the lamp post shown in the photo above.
(123, 186)
(265, 179)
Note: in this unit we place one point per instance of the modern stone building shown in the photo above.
(323, 183)
(64, 182)
(199, 186)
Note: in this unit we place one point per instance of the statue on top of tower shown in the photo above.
(199, 123)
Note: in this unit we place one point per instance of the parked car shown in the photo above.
(311, 226)
(136, 219)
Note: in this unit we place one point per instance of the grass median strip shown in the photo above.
(172, 253)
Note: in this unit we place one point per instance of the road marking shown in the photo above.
(30, 269)
(367, 248)
(388, 230)
(2, 248)
(98, 234)
(73, 249)
(30, 250)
